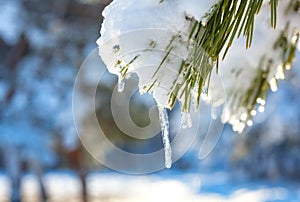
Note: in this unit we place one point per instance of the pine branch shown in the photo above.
(255, 96)
(227, 20)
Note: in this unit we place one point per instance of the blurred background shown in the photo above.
(42, 46)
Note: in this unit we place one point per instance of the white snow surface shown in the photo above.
(4, 188)
(192, 187)
(144, 29)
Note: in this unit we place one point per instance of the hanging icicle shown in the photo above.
(121, 84)
(186, 120)
(163, 115)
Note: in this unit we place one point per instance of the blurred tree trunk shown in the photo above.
(37, 169)
(13, 168)
(74, 157)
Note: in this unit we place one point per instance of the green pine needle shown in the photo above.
(227, 20)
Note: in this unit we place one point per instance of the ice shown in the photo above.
(244, 116)
(253, 112)
(250, 123)
(145, 24)
(121, 84)
(280, 73)
(261, 101)
(213, 113)
(164, 121)
(273, 84)
(261, 109)
(186, 120)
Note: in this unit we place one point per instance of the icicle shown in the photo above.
(226, 115)
(121, 84)
(165, 133)
(280, 73)
(195, 103)
(213, 113)
(186, 120)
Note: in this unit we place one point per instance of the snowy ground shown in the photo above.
(168, 186)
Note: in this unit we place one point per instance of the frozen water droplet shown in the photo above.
(164, 121)
(186, 120)
(250, 123)
(253, 112)
(195, 103)
(121, 84)
(280, 73)
(204, 90)
(226, 115)
(244, 116)
(213, 113)
(273, 84)
(261, 108)
(258, 100)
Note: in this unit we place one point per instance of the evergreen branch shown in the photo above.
(260, 86)
(227, 20)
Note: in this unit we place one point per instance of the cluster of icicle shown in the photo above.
(134, 39)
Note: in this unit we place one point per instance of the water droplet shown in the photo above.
(253, 112)
(294, 39)
(261, 108)
(280, 73)
(273, 84)
(260, 101)
(250, 123)
(241, 127)
(244, 116)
